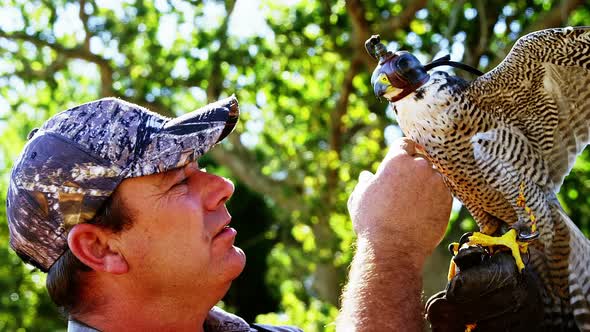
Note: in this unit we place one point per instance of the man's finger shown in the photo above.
(365, 178)
(402, 146)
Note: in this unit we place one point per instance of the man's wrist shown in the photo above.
(394, 244)
(392, 252)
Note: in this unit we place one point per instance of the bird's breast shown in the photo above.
(425, 121)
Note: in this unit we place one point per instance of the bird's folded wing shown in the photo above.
(543, 87)
(508, 157)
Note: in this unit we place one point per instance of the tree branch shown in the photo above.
(337, 130)
(478, 45)
(403, 20)
(84, 19)
(456, 12)
(45, 74)
(51, 7)
(360, 30)
(325, 24)
(484, 33)
(215, 80)
(361, 27)
(556, 17)
(550, 19)
(73, 53)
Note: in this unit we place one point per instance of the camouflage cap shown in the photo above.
(74, 162)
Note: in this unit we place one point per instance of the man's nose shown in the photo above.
(217, 191)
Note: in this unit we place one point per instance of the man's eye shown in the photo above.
(184, 181)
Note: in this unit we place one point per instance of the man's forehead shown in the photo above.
(157, 179)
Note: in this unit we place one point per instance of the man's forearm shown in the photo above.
(399, 214)
(383, 291)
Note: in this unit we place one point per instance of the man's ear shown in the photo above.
(92, 245)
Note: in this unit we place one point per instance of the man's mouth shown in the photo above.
(225, 229)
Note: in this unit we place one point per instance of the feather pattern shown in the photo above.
(525, 121)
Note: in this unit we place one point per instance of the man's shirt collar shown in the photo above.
(217, 320)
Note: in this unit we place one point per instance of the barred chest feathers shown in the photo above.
(425, 115)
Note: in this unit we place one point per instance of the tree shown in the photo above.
(309, 123)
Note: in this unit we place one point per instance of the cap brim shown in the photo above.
(223, 114)
(186, 137)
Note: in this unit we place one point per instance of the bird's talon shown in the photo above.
(454, 248)
(527, 237)
(528, 257)
(465, 238)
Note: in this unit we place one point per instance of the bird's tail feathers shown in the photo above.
(579, 272)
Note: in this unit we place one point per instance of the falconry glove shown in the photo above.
(488, 293)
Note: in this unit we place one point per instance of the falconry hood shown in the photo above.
(401, 73)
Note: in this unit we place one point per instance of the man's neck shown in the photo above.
(217, 320)
(142, 316)
(132, 311)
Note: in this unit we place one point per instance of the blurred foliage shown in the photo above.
(310, 122)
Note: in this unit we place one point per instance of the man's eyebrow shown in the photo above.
(174, 176)
(171, 177)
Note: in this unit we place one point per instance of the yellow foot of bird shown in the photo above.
(454, 249)
(506, 240)
(521, 202)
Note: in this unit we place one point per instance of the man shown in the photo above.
(108, 198)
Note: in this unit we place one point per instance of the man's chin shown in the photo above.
(236, 261)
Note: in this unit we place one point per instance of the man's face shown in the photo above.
(179, 240)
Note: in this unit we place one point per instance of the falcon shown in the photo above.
(504, 143)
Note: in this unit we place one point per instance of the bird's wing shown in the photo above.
(508, 160)
(543, 87)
